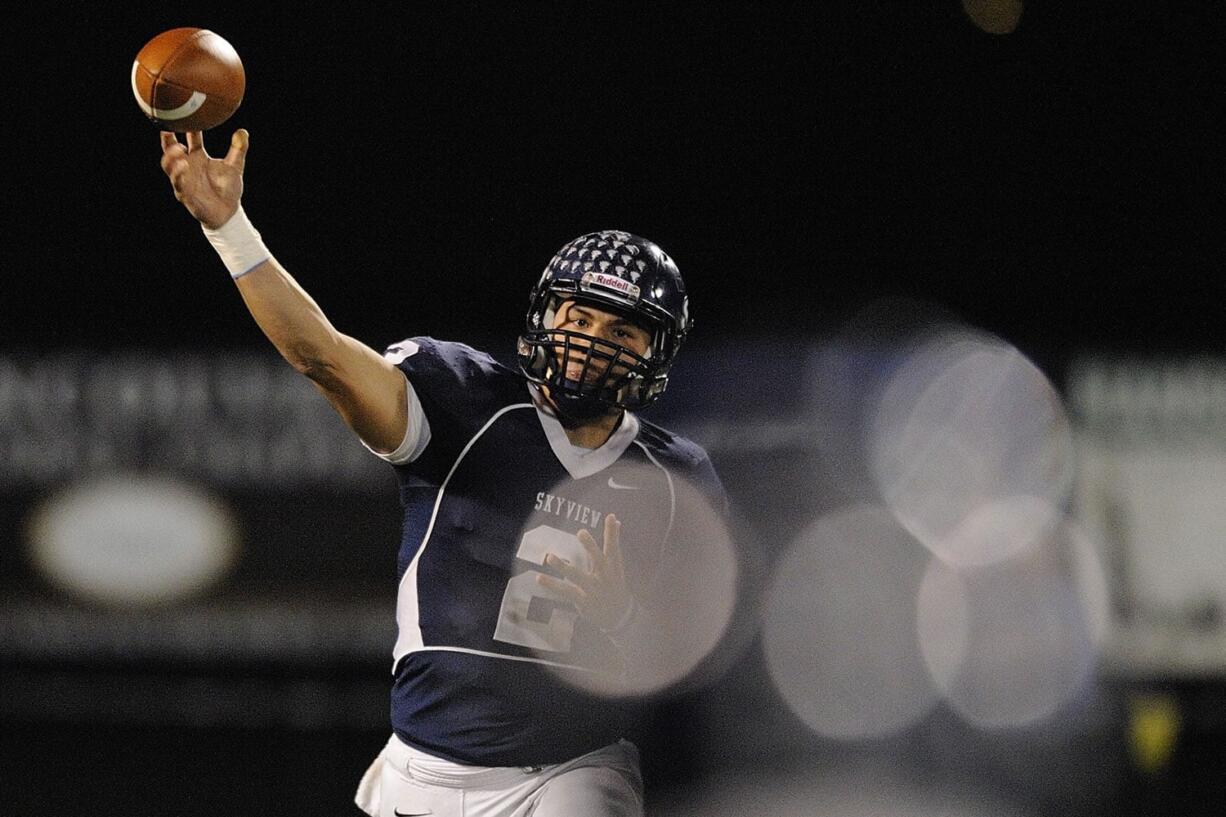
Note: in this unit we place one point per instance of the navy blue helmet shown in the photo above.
(617, 272)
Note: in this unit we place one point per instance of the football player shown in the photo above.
(541, 515)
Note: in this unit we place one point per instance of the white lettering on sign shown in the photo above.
(238, 420)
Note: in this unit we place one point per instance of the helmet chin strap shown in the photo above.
(579, 407)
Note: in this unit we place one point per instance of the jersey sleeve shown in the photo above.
(416, 432)
(699, 535)
(452, 390)
(708, 483)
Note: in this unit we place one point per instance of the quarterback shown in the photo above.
(541, 514)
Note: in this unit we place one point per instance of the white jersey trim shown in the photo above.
(672, 498)
(485, 654)
(408, 621)
(416, 431)
(583, 462)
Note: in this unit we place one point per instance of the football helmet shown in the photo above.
(618, 272)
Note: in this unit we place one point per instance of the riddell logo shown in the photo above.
(599, 279)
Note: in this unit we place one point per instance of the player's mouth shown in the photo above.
(586, 362)
(580, 368)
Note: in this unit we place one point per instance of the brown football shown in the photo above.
(188, 79)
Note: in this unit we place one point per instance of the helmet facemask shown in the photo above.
(613, 271)
(589, 376)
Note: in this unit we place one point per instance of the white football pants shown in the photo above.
(406, 782)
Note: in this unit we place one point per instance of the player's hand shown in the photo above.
(600, 594)
(209, 188)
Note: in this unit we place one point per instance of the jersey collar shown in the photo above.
(583, 462)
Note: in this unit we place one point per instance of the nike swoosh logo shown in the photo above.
(615, 484)
(399, 813)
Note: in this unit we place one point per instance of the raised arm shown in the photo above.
(367, 391)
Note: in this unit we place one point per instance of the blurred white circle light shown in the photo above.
(1008, 644)
(679, 565)
(971, 449)
(132, 540)
(839, 626)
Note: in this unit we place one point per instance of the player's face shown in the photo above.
(603, 325)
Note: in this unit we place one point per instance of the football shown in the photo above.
(188, 79)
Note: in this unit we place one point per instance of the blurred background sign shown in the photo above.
(955, 270)
(1153, 491)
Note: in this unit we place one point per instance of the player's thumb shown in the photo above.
(236, 156)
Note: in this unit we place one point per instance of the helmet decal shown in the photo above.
(621, 272)
(593, 280)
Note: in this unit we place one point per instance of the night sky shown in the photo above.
(416, 169)
(415, 166)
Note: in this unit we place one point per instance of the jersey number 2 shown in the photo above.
(533, 615)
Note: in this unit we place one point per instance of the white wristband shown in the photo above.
(238, 243)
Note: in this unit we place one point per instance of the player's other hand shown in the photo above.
(600, 594)
(209, 188)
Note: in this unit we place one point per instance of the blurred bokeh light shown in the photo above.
(129, 540)
(1011, 643)
(685, 586)
(971, 448)
(839, 626)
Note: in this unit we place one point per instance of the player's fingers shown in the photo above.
(567, 591)
(569, 571)
(236, 156)
(177, 171)
(195, 143)
(613, 542)
(594, 551)
(172, 152)
(171, 161)
(175, 165)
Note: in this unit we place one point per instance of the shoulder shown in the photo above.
(674, 452)
(680, 455)
(458, 357)
(685, 458)
(443, 360)
(678, 451)
(454, 378)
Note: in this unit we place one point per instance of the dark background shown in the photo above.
(416, 167)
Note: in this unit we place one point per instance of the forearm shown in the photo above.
(367, 390)
(288, 316)
(291, 319)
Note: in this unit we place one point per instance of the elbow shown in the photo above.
(309, 362)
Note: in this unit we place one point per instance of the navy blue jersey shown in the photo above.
(481, 642)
